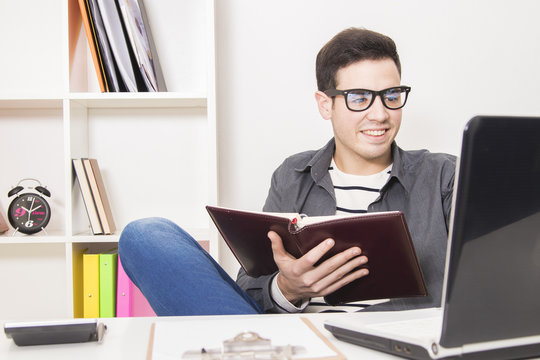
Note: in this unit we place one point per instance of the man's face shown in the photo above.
(363, 139)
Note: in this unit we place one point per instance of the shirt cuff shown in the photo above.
(281, 301)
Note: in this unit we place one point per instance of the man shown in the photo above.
(361, 169)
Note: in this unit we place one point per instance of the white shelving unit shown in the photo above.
(156, 151)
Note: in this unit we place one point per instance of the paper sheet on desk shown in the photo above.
(172, 338)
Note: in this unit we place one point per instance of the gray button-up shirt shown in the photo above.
(420, 185)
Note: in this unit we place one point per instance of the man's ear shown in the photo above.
(325, 104)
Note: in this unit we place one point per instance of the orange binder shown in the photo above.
(92, 43)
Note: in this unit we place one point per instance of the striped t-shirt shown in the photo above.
(354, 193)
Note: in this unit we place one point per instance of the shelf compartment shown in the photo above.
(33, 278)
(32, 53)
(33, 147)
(183, 56)
(77, 252)
(154, 162)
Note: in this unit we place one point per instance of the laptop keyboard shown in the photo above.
(424, 327)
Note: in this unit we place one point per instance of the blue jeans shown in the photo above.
(177, 276)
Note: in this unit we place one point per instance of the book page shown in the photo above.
(308, 220)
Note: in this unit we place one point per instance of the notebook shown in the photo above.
(391, 275)
(491, 292)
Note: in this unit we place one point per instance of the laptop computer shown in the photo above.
(491, 291)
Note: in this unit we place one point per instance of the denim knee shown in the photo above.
(141, 235)
(137, 233)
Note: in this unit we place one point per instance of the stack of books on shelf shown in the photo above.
(108, 291)
(94, 196)
(121, 44)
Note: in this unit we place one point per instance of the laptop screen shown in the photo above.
(493, 281)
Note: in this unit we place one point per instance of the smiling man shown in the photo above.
(361, 169)
(365, 122)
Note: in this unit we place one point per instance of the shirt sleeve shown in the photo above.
(283, 305)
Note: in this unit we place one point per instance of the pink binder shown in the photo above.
(130, 302)
(139, 304)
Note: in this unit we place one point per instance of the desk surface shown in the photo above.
(127, 338)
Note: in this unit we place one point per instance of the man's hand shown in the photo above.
(299, 279)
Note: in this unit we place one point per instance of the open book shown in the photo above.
(383, 237)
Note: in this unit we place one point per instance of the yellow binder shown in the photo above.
(91, 285)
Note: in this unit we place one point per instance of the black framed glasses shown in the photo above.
(361, 99)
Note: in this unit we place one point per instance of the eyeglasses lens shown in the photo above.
(361, 100)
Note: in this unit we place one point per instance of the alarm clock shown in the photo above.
(29, 212)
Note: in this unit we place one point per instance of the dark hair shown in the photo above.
(349, 46)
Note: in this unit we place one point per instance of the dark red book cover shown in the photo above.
(383, 237)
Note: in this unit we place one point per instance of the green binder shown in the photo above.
(107, 284)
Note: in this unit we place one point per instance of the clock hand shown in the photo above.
(35, 208)
(31, 206)
(25, 209)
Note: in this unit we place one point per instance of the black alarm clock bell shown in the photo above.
(29, 212)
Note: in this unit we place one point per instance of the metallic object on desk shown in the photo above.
(246, 345)
(55, 331)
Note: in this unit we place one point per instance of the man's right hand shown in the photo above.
(299, 279)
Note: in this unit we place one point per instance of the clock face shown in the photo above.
(29, 213)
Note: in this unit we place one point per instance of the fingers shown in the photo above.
(336, 272)
(344, 275)
(338, 260)
(306, 262)
(315, 254)
(300, 278)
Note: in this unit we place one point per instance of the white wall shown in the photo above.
(461, 58)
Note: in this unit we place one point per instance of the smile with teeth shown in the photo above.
(373, 132)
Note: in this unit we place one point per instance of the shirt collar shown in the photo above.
(399, 169)
(319, 163)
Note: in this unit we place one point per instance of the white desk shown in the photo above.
(127, 338)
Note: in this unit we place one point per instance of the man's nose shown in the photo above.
(377, 111)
